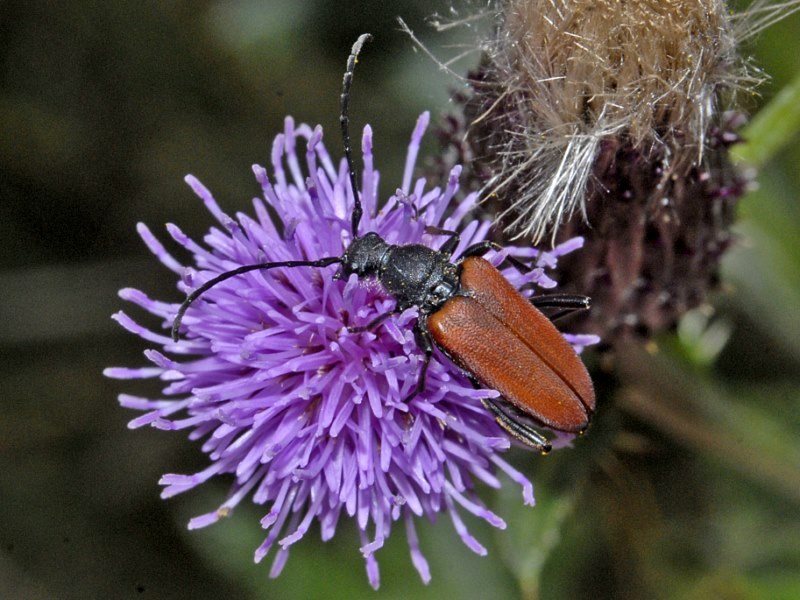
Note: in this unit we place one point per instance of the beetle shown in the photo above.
(469, 311)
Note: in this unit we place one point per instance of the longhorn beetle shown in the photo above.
(469, 311)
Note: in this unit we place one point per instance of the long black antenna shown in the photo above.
(176, 322)
(344, 120)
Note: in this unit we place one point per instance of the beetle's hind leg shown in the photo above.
(568, 303)
(526, 435)
(510, 419)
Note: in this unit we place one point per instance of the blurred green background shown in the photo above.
(687, 487)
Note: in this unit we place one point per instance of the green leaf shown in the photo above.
(772, 128)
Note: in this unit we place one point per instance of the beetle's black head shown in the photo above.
(364, 256)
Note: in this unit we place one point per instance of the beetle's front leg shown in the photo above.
(374, 323)
(453, 238)
(426, 345)
(482, 248)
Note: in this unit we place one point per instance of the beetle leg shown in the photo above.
(565, 301)
(450, 244)
(372, 324)
(568, 303)
(482, 248)
(520, 431)
(513, 425)
(426, 345)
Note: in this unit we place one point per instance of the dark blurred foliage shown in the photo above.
(687, 486)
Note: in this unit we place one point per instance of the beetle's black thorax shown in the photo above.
(414, 274)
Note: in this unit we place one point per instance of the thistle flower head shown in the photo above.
(305, 415)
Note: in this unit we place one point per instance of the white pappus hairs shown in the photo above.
(561, 76)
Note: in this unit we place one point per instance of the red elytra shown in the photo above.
(495, 334)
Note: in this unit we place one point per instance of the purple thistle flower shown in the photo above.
(307, 415)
